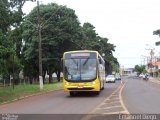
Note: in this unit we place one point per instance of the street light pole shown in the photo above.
(40, 48)
(151, 53)
(151, 60)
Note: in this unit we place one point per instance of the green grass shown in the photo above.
(8, 93)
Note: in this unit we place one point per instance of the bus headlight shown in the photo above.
(93, 83)
(67, 83)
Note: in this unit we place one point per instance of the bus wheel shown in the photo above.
(102, 87)
(97, 92)
(71, 93)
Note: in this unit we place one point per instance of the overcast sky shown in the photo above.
(128, 24)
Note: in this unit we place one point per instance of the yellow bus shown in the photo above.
(83, 70)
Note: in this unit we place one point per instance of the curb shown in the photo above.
(27, 96)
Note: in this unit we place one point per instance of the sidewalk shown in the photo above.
(155, 80)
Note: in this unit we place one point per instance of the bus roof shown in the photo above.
(81, 51)
(76, 51)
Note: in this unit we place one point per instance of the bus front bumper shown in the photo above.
(88, 86)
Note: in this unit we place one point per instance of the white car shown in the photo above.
(117, 77)
(110, 78)
(141, 75)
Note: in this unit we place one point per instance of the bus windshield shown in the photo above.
(76, 69)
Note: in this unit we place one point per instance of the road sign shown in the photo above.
(157, 43)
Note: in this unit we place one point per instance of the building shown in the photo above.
(153, 67)
(126, 71)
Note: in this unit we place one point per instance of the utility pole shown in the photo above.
(13, 73)
(151, 60)
(40, 49)
(152, 54)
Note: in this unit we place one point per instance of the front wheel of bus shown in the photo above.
(102, 87)
(97, 92)
(71, 93)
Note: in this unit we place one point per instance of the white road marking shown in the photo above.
(115, 95)
(110, 102)
(121, 100)
(109, 107)
(120, 112)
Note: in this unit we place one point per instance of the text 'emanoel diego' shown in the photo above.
(137, 117)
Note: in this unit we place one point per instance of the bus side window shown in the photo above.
(100, 62)
(100, 66)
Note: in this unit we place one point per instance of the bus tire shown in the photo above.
(102, 87)
(71, 93)
(97, 92)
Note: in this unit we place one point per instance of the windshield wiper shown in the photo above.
(86, 61)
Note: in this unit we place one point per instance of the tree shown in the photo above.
(6, 46)
(140, 69)
(59, 33)
(156, 32)
(10, 36)
(15, 34)
(87, 36)
(89, 39)
(104, 47)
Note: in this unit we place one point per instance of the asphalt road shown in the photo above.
(58, 102)
(142, 97)
(58, 105)
(131, 95)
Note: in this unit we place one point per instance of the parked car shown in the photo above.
(117, 77)
(144, 76)
(141, 75)
(110, 78)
